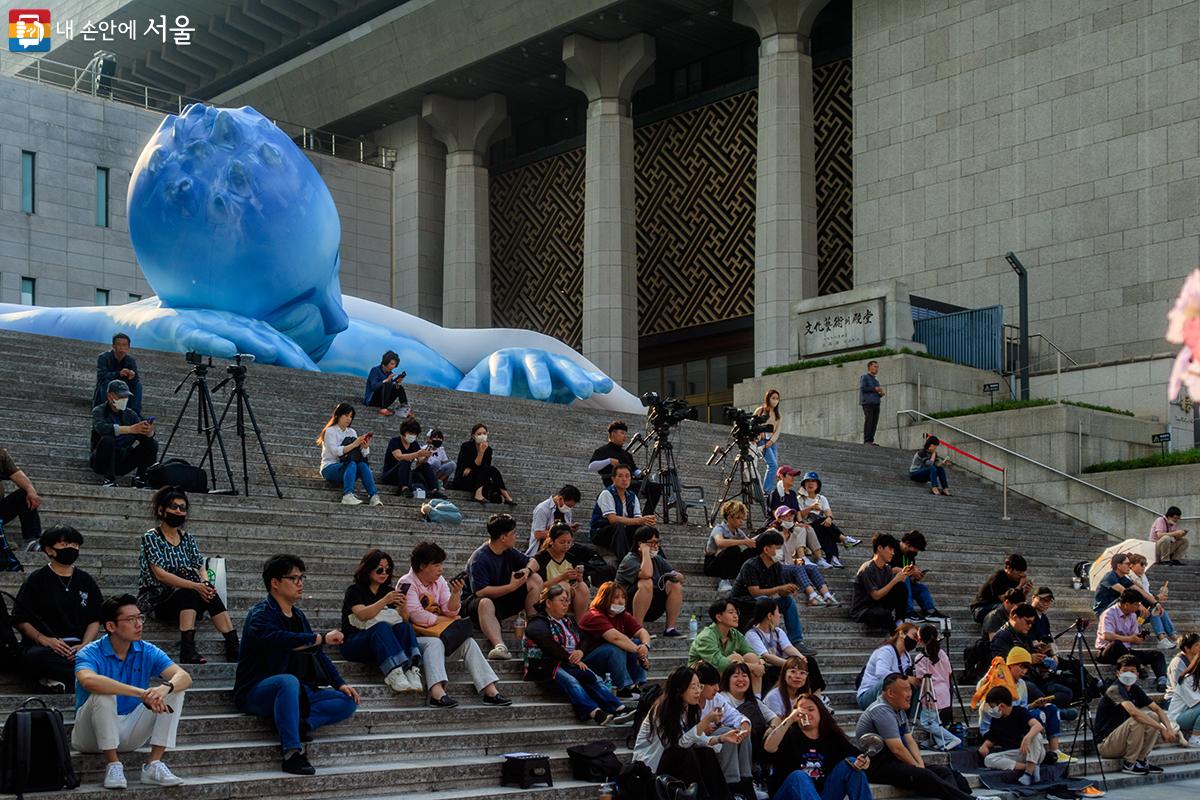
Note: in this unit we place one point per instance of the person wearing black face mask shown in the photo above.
(57, 611)
(172, 583)
(894, 655)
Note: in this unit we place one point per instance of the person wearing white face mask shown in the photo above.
(475, 473)
(796, 568)
(614, 642)
(406, 464)
(122, 441)
(1129, 723)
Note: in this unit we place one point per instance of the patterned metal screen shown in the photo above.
(974, 337)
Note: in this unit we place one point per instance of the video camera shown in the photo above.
(663, 414)
(746, 426)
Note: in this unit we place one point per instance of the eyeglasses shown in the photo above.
(296, 579)
(138, 619)
(177, 506)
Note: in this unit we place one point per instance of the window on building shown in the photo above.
(102, 297)
(28, 175)
(28, 291)
(133, 298)
(707, 384)
(101, 197)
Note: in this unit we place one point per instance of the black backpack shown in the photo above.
(977, 658)
(34, 753)
(12, 656)
(177, 472)
(594, 762)
(649, 694)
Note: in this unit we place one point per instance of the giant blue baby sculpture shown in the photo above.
(239, 237)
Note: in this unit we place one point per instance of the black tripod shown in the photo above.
(206, 420)
(750, 482)
(1080, 648)
(237, 373)
(663, 468)
(927, 691)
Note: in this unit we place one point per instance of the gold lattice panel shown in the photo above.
(536, 216)
(695, 215)
(834, 123)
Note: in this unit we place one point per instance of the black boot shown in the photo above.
(232, 646)
(188, 654)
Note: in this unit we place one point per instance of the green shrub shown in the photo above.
(1095, 407)
(861, 355)
(1001, 405)
(1157, 460)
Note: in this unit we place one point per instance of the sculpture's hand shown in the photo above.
(531, 373)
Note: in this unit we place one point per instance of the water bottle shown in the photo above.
(693, 627)
(519, 630)
(608, 681)
(607, 791)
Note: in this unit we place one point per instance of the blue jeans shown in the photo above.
(791, 619)
(918, 595)
(931, 475)
(278, 697)
(348, 473)
(1162, 624)
(931, 721)
(389, 646)
(404, 474)
(624, 667)
(771, 456)
(1048, 714)
(1189, 720)
(844, 781)
(585, 691)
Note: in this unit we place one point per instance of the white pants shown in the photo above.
(98, 727)
(433, 660)
(1013, 759)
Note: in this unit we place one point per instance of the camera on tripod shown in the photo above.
(194, 358)
(663, 414)
(237, 369)
(746, 426)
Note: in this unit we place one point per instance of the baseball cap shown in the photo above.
(119, 388)
(783, 511)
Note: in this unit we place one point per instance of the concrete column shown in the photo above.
(418, 217)
(785, 230)
(466, 127)
(606, 73)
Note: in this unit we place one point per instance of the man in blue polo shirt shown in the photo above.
(116, 707)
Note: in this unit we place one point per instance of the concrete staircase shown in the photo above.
(395, 745)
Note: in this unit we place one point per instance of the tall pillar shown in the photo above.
(418, 217)
(466, 127)
(606, 73)
(785, 230)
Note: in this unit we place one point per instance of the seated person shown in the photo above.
(796, 568)
(991, 594)
(729, 544)
(815, 511)
(558, 508)
(122, 441)
(912, 544)
(617, 513)
(1117, 633)
(1153, 607)
(554, 568)
(1014, 632)
(172, 581)
(116, 710)
(652, 585)
(881, 595)
(1018, 663)
(614, 642)
(406, 464)
(999, 615)
(784, 492)
(344, 456)
(736, 691)
(282, 658)
(558, 658)
(762, 576)
(1183, 704)
(433, 610)
(1014, 740)
(721, 643)
(675, 740)
(900, 763)
(1042, 602)
(894, 655)
(474, 472)
(439, 461)
(118, 364)
(57, 611)
(926, 467)
(768, 639)
(607, 457)
(1129, 724)
(503, 582)
(376, 627)
(813, 757)
(1114, 583)
(20, 504)
(1170, 540)
(799, 677)
(736, 758)
(383, 388)
(935, 709)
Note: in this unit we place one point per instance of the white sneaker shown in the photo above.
(156, 773)
(418, 494)
(375, 501)
(837, 563)
(809, 562)
(816, 601)
(823, 564)
(1194, 740)
(397, 680)
(852, 542)
(414, 679)
(114, 777)
(350, 500)
(831, 599)
(499, 653)
(1166, 643)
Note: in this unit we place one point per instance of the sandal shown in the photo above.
(935, 490)
(386, 412)
(945, 492)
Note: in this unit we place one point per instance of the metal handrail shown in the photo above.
(1047, 340)
(44, 71)
(1021, 456)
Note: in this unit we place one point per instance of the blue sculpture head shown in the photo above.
(226, 213)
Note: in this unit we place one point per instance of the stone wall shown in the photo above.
(1065, 131)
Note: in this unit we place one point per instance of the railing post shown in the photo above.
(1058, 376)
(360, 151)
(146, 97)
(1004, 513)
(333, 144)
(37, 69)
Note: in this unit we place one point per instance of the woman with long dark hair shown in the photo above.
(1184, 707)
(798, 678)
(344, 456)
(824, 764)
(893, 655)
(375, 623)
(172, 583)
(935, 711)
(674, 739)
(474, 472)
(735, 686)
(768, 441)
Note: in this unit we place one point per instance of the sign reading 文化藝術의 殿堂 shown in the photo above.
(838, 328)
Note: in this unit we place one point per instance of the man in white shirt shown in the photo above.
(442, 465)
(559, 507)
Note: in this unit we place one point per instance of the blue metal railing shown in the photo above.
(974, 337)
